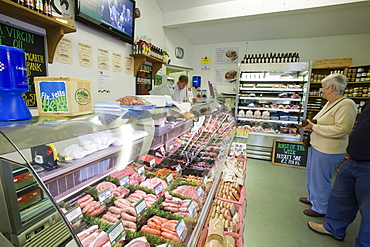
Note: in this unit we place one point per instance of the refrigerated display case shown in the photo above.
(271, 103)
(48, 165)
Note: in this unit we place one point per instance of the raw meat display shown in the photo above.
(139, 194)
(131, 100)
(162, 227)
(177, 205)
(187, 191)
(152, 182)
(93, 237)
(105, 185)
(138, 242)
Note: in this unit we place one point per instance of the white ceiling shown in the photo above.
(345, 19)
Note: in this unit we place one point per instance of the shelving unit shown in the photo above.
(140, 59)
(271, 102)
(55, 29)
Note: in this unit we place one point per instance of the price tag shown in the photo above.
(181, 229)
(116, 233)
(205, 180)
(140, 207)
(141, 170)
(152, 162)
(104, 196)
(200, 191)
(171, 147)
(125, 180)
(74, 214)
(159, 189)
(163, 151)
(169, 178)
(178, 169)
(191, 208)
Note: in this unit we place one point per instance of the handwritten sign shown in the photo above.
(289, 153)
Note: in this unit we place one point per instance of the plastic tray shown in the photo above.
(138, 107)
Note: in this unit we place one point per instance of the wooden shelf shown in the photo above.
(54, 28)
(140, 59)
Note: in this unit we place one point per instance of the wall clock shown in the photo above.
(179, 52)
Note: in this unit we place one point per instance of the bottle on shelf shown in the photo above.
(39, 6)
(244, 59)
(47, 8)
(29, 4)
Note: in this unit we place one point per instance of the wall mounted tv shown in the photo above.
(115, 17)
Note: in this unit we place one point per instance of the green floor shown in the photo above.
(274, 215)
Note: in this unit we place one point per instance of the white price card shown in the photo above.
(116, 233)
(125, 180)
(200, 191)
(205, 180)
(141, 170)
(159, 190)
(171, 147)
(178, 169)
(104, 196)
(181, 229)
(163, 151)
(140, 207)
(192, 209)
(74, 214)
(201, 120)
(169, 178)
(152, 162)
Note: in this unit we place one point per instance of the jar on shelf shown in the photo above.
(249, 114)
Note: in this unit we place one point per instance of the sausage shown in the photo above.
(83, 199)
(147, 229)
(85, 203)
(129, 224)
(167, 230)
(115, 210)
(169, 225)
(122, 203)
(90, 207)
(130, 210)
(154, 226)
(163, 220)
(110, 218)
(99, 210)
(172, 209)
(128, 217)
(167, 195)
(155, 221)
(170, 236)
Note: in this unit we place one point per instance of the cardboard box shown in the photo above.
(63, 96)
(333, 63)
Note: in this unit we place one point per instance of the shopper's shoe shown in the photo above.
(312, 213)
(305, 200)
(319, 228)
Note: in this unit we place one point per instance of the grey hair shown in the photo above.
(339, 80)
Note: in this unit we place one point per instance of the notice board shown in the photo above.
(34, 46)
(144, 80)
(289, 153)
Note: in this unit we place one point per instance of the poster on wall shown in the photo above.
(144, 80)
(64, 51)
(117, 62)
(227, 55)
(103, 82)
(128, 65)
(103, 59)
(85, 54)
(225, 76)
(34, 46)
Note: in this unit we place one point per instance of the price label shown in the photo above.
(200, 191)
(125, 180)
(205, 180)
(178, 169)
(201, 120)
(163, 151)
(181, 229)
(116, 233)
(104, 196)
(74, 214)
(171, 147)
(191, 208)
(141, 170)
(159, 189)
(140, 207)
(152, 162)
(169, 178)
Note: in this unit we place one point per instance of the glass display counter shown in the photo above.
(99, 179)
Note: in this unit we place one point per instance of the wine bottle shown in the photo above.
(29, 4)
(39, 6)
(244, 59)
(47, 8)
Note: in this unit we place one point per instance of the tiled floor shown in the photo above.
(274, 215)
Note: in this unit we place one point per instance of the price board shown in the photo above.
(116, 233)
(289, 153)
(159, 190)
(104, 196)
(74, 214)
(140, 207)
(181, 229)
(124, 181)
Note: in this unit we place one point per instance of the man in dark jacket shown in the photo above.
(351, 190)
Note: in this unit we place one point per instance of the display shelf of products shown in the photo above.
(85, 192)
(140, 59)
(274, 104)
(54, 29)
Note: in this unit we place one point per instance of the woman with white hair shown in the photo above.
(329, 140)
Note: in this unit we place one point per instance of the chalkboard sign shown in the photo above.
(34, 46)
(289, 153)
(144, 80)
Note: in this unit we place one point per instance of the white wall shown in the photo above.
(310, 49)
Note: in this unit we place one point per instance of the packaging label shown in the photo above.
(53, 96)
(82, 96)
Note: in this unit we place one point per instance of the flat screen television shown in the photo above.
(115, 17)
